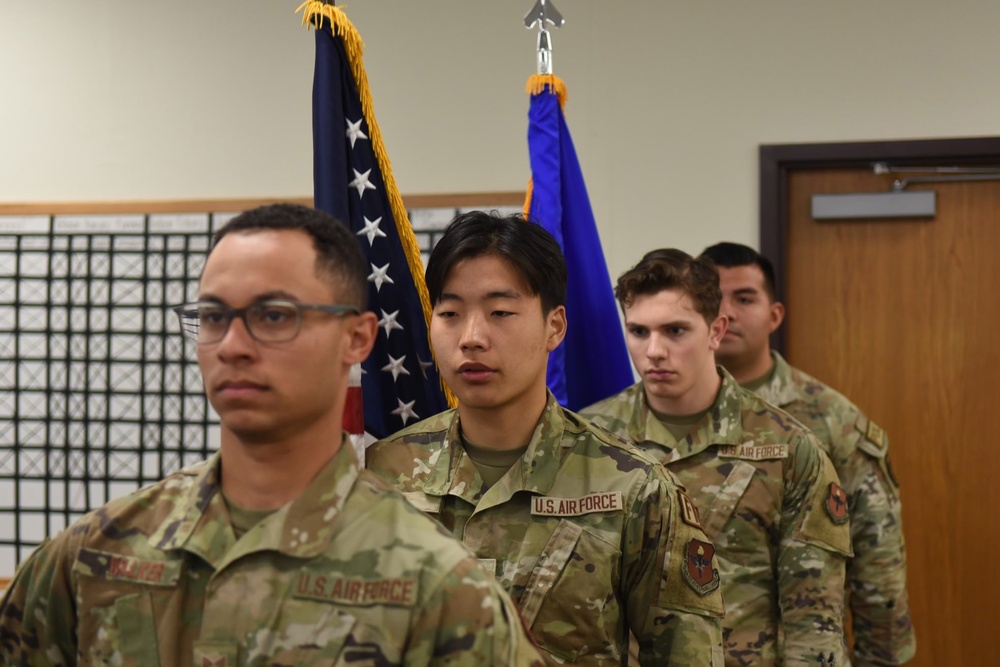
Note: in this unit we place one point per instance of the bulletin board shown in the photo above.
(99, 395)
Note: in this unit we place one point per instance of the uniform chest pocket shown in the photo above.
(570, 600)
(308, 633)
(746, 512)
(117, 626)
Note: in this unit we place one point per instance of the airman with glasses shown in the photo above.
(280, 549)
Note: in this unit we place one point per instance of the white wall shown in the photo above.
(669, 99)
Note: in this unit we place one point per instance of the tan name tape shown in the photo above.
(359, 592)
(595, 502)
(118, 567)
(754, 452)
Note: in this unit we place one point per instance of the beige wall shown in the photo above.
(669, 99)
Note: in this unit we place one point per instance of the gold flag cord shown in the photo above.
(342, 27)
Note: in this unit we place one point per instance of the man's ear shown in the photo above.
(777, 315)
(716, 330)
(555, 324)
(360, 332)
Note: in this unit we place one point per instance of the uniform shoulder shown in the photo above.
(614, 405)
(590, 434)
(766, 422)
(417, 440)
(388, 515)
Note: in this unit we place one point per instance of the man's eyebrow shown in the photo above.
(746, 290)
(496, 294)
(266, 296)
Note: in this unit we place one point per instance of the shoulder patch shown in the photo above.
(836, 503)
(689, 511)
(699, 569)
(825, 516)
(875, 433)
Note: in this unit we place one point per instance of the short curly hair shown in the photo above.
(667, 269)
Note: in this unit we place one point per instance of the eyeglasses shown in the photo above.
(271, 321)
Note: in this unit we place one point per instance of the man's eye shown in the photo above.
(637, 331)
(502, 313)
(676, 331)
(275, 314)
(212, 316)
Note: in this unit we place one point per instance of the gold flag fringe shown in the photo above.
(342, 27)
(538, 82)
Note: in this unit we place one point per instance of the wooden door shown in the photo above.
(903, 317)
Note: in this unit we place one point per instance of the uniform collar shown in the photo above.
(780, 390)
(452, 471)
(721, 425)
(303, 528)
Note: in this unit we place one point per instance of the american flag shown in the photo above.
(352, 180)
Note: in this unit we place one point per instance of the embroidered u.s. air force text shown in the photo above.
(754, 452)
(595, 502)
(359, 592)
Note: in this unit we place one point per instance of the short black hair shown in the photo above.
(673, 269)
(338, 252)
(526, 245)
(731, 255)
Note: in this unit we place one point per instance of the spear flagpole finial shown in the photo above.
(542, 13)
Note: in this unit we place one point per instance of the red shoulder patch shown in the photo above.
(699, 567)
(836, 503)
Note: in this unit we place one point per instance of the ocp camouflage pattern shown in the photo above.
(347, 574)
(766, 495)
(584, 531)
(859, 449)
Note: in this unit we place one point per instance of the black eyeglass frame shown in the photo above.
(335, 309)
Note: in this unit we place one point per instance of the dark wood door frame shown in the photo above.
(776, 160)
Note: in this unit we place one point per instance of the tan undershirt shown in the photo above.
(492, 464)
(765, 379)
(243, 519)
(679, 425)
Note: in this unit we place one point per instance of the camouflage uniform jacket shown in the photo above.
(770, 500)
(584, 531)
(876, 575)
(349, 573)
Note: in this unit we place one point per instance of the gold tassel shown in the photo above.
(538, 82)
(527, 197)
(342, 27)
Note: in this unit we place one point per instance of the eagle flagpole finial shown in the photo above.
(544, 12)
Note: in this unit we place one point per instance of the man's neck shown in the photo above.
(268, 475)
(746, 371)
(506, 427)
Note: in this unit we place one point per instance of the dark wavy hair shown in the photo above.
(669, 268)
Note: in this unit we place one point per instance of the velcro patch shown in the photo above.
(595, 502)
(836, 503)
(357, 592)
(875, 433)
(689, 511)
(118, 567)
(699, 567)
(752, 452)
